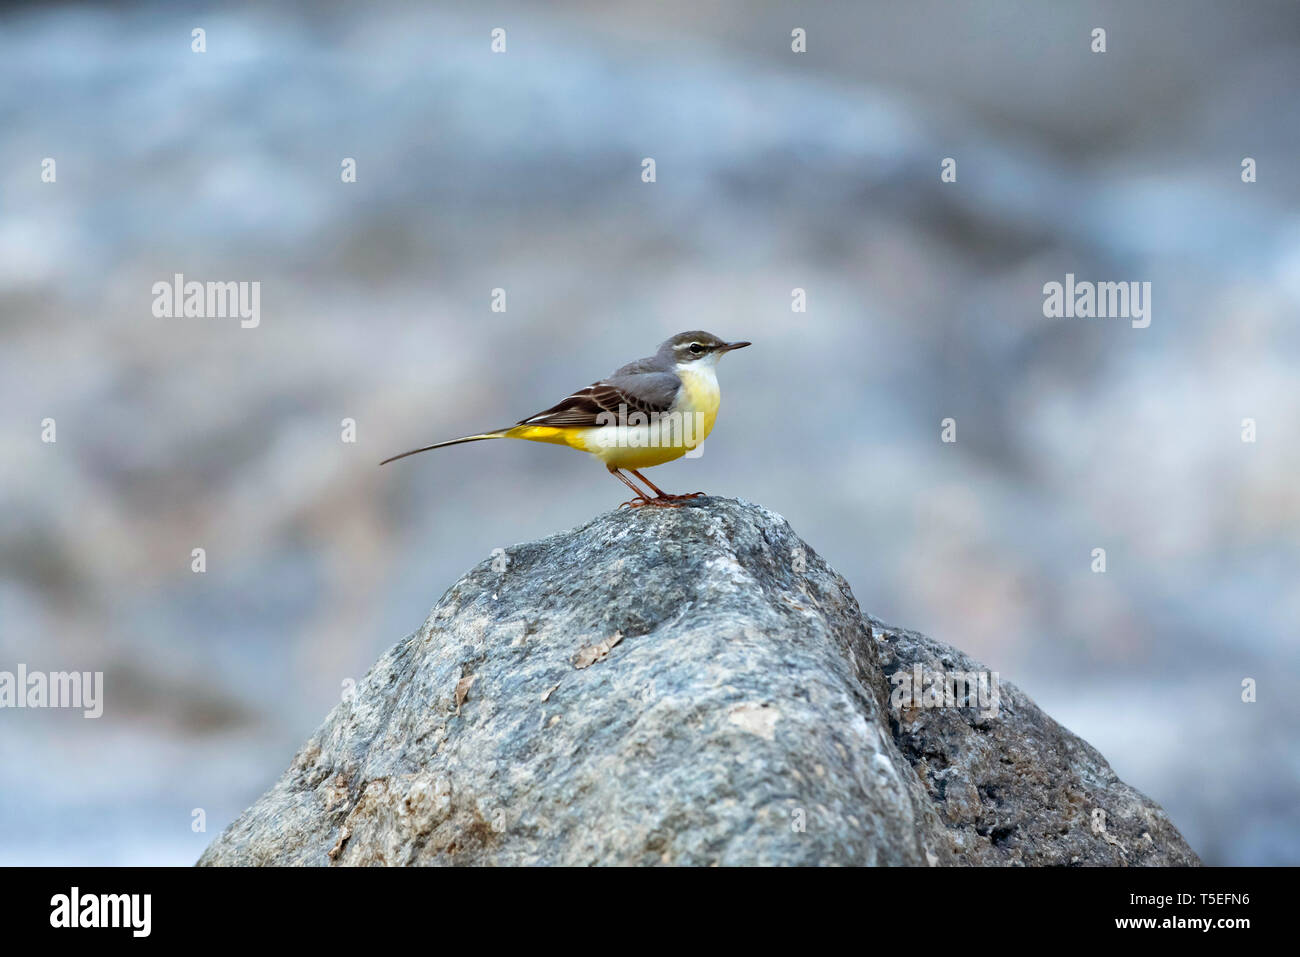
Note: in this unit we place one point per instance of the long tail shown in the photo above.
(499, 434)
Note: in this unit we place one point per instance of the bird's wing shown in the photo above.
(646, 392)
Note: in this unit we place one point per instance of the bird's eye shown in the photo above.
(697, 349)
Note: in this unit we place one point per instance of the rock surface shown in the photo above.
(683, 686)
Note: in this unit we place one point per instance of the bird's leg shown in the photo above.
(661, 500)
(661, 493)
(641, 497)
(652, 486)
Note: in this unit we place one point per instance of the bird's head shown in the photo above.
(701, 347)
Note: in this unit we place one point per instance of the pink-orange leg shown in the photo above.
(661, 498)
(661, 493)
(641, 497)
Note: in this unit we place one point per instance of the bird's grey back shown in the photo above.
(652, 379)
(656, 389)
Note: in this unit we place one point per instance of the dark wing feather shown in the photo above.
(647, 392)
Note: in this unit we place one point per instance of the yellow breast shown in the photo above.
(700, 394)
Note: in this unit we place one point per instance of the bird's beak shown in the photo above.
(735, 345)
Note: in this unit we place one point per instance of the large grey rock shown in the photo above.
(682, 686)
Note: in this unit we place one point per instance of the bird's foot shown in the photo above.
(661, 501)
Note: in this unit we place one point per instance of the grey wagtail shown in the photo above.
(648, 412)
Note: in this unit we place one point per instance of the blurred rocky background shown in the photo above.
(522, 171)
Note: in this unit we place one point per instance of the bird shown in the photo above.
(648, 412)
